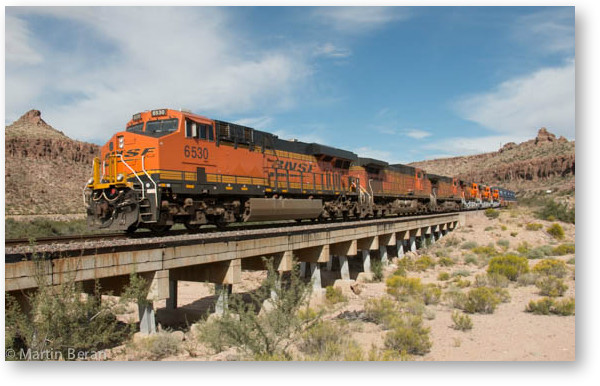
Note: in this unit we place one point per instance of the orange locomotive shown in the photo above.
(172, 166)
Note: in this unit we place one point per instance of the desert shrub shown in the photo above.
(556, 231)
(431, 294)
(514, 234)
(533, 226)
(551, 267)
(540, 307)
(377, 269)
(41, 227)
(564, 307)
(445, 261)
(155, 347)
(551, 286)
(563, 249)
(443, 276)
(381, 310)
(451, 241)
(486, 251)
(497, 280)
(487, 229)
(400, 271)
(571, 261)
(539, 252)
(334, 295)
(481, 300)
(270, 332)
(491, 213)
(461, 321)
(551, 211)
(461, 283)
(523, 247)
(408, 335)
(505, 244)
(527, 279)
(455, 298)
(403, 288)
(503, 227)
(470, 259)
(423, 263)
(60, 319)
(469, 245)
(461, 272)
(501, 294)
(328, 341)
(510, 266)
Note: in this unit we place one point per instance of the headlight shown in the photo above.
(90, 181)
(121, 142)
(120, 177)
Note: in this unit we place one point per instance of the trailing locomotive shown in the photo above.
(172, 166)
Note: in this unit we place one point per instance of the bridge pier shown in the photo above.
(366, 260)
(315, 275)
(383, 255)
(223, 291)
(147, 318)
(172, 299)
(413, 243)
(330, 262)
(344, 267)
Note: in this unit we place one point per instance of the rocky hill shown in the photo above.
(543, 163)
(45, 169)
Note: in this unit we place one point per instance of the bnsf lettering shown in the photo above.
(293, 166)
(130, 152)
(195, 152)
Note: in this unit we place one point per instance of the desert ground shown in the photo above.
(508, 334)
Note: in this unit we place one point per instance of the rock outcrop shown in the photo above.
(45, 170)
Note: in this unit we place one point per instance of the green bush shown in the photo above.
(469, 245)
(403, 288)
(452, 241)
(505, 244)
(571, 261)
(377, 269)
(431, 294)
(514, 234)
(546, 306)
(461, 272)
(551, 267)
(540, 307)
(563, 249)
(400, 271)
(533, 226)
(481, 300)
(510, 266)
(487, 229)
(443, 276)
(461, 321)
(539, 252)
(334, 295)
(564, 307)
(556, 231)
(461, 283)
(445, 262)
(381, 311)
(551, 286)
(491, 213)
(455, 298)
(527, 279)
(503, 227)
(551, 211)
(329, 341)
(423, 263)
(486, 251)
(495, 280)
(470, 259)
(154, 347)
(408, 335)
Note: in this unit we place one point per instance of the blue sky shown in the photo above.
(399, 83)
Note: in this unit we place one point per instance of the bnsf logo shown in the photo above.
(131, 152)
(293, 166)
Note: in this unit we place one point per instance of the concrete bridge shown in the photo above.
(220, 258)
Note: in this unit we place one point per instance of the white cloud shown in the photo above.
(551, 30)
(329, 50)
(382, 155)
(156, 57)
(356, 20)
(545, 98)
(456, 146)
(18, 43)
(417, 134)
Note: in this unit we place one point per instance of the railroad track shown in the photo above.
(143, 234)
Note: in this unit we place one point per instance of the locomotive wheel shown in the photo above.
(131, 230)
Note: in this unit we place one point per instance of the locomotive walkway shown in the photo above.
(220, 257)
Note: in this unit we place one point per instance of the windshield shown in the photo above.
(161, 127)
(137, 128)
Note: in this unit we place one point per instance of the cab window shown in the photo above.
(137, 128)
(198, 130)
(161, 127)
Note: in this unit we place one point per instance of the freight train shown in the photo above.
(173, 166)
